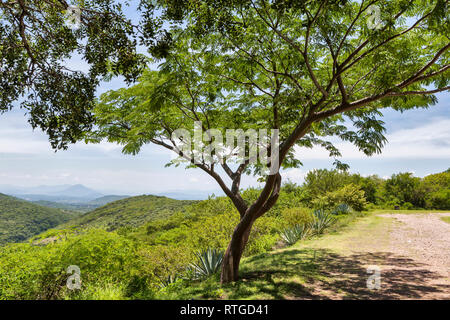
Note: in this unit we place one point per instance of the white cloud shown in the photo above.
(295, 175)
(430, 141)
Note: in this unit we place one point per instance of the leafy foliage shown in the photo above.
(296, 216)
(349, 194)
(131, 212)
(20, 220)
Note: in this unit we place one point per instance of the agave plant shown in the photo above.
(343, 208)
(209, 262)
(321, 221)
(295, 233)
(169, 280)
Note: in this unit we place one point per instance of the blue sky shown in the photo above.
(419, 142)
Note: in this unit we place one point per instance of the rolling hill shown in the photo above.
(20, 220)
(81, 207)
(133, 212)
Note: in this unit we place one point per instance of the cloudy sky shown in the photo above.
(419, 142)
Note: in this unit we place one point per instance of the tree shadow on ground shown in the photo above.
(323, 274)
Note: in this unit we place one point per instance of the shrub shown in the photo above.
(209, 262)
(293, 234)
(343, 208)
(322, 220)
(407, 206)
(350, 194)
(39, 272)
(406, 188)
(296, 216)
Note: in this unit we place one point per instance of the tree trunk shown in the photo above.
(233, 255)
(232, 258)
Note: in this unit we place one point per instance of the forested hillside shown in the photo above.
(146, 247)
(132, 212)
(81, 207)
(20, 220)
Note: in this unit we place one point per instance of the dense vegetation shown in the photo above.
(154, 248)
(310, 69)
(20, 220)
(132, 212)
(401, 190)
(129, 262)
(82, 207)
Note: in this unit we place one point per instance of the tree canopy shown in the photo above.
(36, 43)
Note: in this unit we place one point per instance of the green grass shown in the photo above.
(318, 268)
(278, 274)
(445, 219)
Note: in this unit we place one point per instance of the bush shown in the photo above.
(350, 194)
(405, 188)
(296, 216)
(407, 206)
(343, 208)
(293, 234)
(322, 220)
(39, 272)
(209, 262)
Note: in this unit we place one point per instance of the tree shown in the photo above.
(304, 68)
(310, 69)
(406, 188)
(437, 190)
(320, 181)
(35, 42)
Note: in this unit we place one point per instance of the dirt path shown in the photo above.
(425, 239)
(412, 252)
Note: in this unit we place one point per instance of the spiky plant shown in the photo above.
(169, 280)
(342, 208)
(295, 233)
(321, 221)
(208, 262)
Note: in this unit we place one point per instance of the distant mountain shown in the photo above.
(133, 211)
(60, 194)
(20, 220)
(79, 191)
(82, 207)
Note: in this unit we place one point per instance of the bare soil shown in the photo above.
(411, 250)
(425, 240)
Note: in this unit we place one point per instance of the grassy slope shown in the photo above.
(20, 219)
(445, 219)
(320, 268)
(133, 212)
